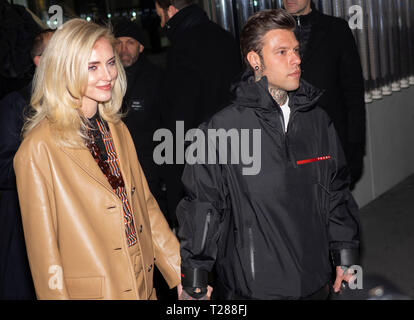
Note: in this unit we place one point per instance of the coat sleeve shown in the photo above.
(166, 246)
(352, 90)
(37, 204)
(200, 215)
(344, 226)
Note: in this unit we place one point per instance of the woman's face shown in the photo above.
(102, 75)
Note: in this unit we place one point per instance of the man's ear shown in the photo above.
(36, 60)
(141, 48)
(171, 11)
(254, 60)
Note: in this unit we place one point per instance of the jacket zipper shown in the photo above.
(298, 20)
(287, 148)
(206, 225)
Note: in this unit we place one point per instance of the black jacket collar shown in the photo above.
(252, 94)
(184, 19)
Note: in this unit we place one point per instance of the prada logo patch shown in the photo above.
(300, 162)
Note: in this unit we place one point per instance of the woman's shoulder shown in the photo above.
(36, 141)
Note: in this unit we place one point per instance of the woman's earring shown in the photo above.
(256, 68)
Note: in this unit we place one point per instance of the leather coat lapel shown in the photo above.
(84, 159)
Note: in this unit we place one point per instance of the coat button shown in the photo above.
(132, 189)
(140, 228)
(150, 268)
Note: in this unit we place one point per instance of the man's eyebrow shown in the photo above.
(278, 48)
(285, 48)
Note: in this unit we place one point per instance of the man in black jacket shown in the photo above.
(15, 278)
(330, 61)
(141, 102)
(270, 233)
(202, 62)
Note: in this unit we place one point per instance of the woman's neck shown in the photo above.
(89, 107)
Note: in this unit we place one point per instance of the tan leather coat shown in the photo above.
(73, 222)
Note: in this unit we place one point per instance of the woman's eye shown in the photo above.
(92, 68)
(112, 63)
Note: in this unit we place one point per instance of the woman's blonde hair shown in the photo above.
(61, 80)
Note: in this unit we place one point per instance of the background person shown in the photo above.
(330, 62)
(15, 278)
(202, 62)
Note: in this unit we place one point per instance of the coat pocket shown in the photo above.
(85, 288)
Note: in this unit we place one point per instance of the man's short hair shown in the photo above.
(259, 24)
(38, 45)
(179, 4)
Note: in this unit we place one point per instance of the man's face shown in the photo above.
(297, 7)
(162, 14)
(128, 50)
(281, 59)
(46, 39)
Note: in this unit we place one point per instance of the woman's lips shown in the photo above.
(106, 88)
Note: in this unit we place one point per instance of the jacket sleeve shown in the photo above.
(166, 246)
(37, 204)
(352, 90)
(344, 223)
(200, 215)
(11, 122)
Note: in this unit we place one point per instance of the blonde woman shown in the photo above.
(92, 228)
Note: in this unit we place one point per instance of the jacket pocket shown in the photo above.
(205, 231)
(85, 288)
(323, 202)
(251, 254)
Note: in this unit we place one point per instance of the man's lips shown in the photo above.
(291, 3)
(295, 74)
(106, 88)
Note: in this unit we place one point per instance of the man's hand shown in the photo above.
(183, 295)
(342, 274)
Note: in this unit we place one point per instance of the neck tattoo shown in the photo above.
(279, 95)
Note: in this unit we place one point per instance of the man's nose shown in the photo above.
(295, 58)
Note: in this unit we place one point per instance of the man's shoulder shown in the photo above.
(203, 33)
(332, 22)
(232, 116)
